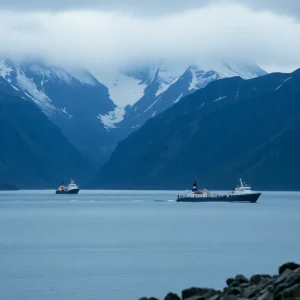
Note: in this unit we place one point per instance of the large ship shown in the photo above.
(72, 188)
(242, 193)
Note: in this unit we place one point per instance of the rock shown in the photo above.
(195, 298)
(266, 296)
(244, 285)
(234, 291)
(230, 297)
(143, 298)
(255, 279)
(210, 293)
(241, 279)
(251, 291)
(229, 281)
(290, 266)
(193, 291)
(279, 288)
(282, 277)
(172, 296)
(234, 284)
(152, 298)
(291, 293)
(215, 297)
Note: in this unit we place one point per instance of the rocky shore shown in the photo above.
(283, 286)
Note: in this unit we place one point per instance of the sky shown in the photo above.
(101, 35)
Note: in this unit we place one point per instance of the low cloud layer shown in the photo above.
(98, 39)
(146, 7)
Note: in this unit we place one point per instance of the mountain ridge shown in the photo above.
(231, 128)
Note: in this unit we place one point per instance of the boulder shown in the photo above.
(191, 292)
(195, 298)
(251, 291)
(255, 279)
(172, 296)
(241, 279)
(229, 281)
(235, 284)
(244, 285)
(283, 276)
(234, 291)
(266, 296)
(290, 265)
(291, 293)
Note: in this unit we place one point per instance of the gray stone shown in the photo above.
(244, 285)
(215, 297)
(251, 291)
(266, 296)
(195, 298)
(283, 276)
(241, 279)
(234, 291)
(279, 288)
(193, 291)
(229, 281)
(234, 284)
(291, 293)
(288, 266)
(172, 296)
(210, 293)
(255, 279)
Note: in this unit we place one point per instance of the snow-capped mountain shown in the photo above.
(142, 93)
(72, 100)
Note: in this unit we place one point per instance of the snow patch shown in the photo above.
(152, 104)
(113, 117)
(165, 78)
(178, 98)
(123, 89)
(31, 90)
(5, 71)
(287, 79)
(220, 98)
(194, 80)
(278, 87)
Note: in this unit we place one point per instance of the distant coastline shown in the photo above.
(7, 187)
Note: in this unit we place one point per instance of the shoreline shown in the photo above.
(282, 286)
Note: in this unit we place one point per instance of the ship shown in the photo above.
(242, 193)
(72, 188)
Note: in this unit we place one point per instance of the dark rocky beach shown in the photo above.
(282, 286)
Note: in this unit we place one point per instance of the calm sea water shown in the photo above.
(127, 244)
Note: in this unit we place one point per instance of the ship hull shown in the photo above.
(244, 198)
(203, 199)
(231, 198)
(73, 191)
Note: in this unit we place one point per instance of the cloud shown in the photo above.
(100, 39)
(148, 7)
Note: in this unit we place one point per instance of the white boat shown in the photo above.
(72, 188)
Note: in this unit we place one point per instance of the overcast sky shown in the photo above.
(99, 34)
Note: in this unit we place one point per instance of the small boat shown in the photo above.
(242, 193)
(72, 188)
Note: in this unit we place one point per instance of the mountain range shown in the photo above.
(86, 117)
(232, 127)
(151, 89)
(33, 151)
(72, 101)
